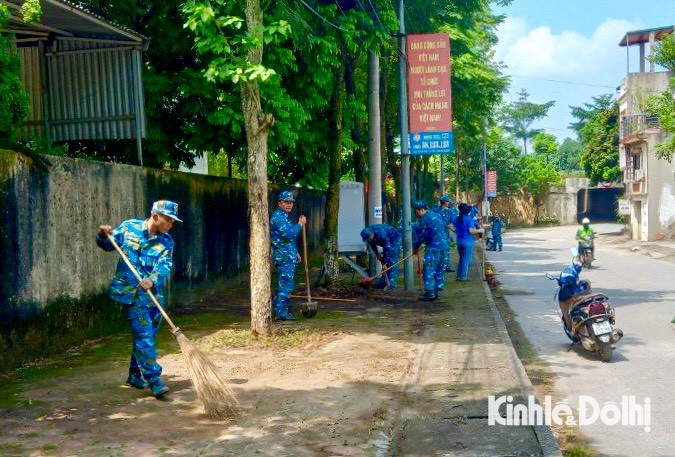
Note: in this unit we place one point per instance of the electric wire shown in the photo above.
(324, 19)
(562, 82)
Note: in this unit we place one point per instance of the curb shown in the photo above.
(547, 441)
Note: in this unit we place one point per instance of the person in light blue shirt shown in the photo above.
(285, 255)
(465, 227)
(431, 233)
(149, 247)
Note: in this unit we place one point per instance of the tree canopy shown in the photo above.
(518, 117)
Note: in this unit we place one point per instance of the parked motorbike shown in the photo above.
(592, 316)
(490, 244)
(586, 254)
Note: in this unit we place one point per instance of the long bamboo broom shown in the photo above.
(215, 394)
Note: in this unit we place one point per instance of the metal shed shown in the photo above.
(82, 74)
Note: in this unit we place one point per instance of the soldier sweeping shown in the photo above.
(431, 232)
(389, 239)
(149, 247)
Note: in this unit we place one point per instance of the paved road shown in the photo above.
(642, 291)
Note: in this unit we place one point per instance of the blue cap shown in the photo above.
(445, 198)
(167, 208)
(285, 195)
(419, 204)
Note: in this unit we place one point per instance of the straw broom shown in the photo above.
(215, 394)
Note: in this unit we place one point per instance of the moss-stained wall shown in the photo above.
(53, 277)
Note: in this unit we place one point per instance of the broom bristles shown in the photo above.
(215, 394)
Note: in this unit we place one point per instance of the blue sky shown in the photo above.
(572, 41)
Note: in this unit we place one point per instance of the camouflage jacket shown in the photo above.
(151, 256)
(283, 236)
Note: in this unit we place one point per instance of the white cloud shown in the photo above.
(539, 52)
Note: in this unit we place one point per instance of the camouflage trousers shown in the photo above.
(144, 319)
(285, 287)
(434, 268)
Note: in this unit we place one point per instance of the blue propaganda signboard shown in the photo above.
(426, 143)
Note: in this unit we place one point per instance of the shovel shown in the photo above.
(311, 308)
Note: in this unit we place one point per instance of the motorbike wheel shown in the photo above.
(605, 351)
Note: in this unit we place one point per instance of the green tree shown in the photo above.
(584, 113)
(567, 158)
(518, 117)
(538, 175)
(505, 156)
(13, 98)
(547, 145)
(234, 55)
(600, 140)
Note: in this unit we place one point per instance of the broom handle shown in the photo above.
(174, 329)
(304, 249)
(389, 268)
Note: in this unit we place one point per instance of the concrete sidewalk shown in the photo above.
(468, 358)
(661, 250)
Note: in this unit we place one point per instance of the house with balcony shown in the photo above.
(649, 181)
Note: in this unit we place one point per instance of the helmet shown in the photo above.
(285, 195)
(445, 198)
(420, 204)
(586, 221)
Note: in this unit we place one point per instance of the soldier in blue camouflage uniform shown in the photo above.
(389, 239)
(444, 208)
(431, 231)
(285, 254)
(149, 248)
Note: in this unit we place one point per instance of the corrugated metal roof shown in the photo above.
(69, 17)
(642, 36)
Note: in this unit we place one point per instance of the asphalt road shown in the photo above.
(642, 290)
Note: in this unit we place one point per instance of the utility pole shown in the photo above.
(405, 154)
(375, 156)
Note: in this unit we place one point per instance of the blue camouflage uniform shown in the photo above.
(285, 257)
(448, 217)
(497, 226)
(431, 233)
(389, 239)
(152, 258)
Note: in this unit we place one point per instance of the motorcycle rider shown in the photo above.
(571, 287)
(583, 232)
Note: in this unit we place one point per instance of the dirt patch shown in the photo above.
(324, 386)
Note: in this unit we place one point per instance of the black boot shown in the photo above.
(428, 296)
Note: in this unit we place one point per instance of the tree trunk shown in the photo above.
(257, 127)
(330, 257)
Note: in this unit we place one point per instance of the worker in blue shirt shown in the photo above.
(497, 226)
(389, 239)
(431, 233)
(149, 247)
(445, 209)
(465, 227)
(285, 255)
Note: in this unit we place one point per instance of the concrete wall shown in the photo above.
(661, 194)
(51, 267)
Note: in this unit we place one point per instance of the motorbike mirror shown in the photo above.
(575, 251)
(549, 276)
